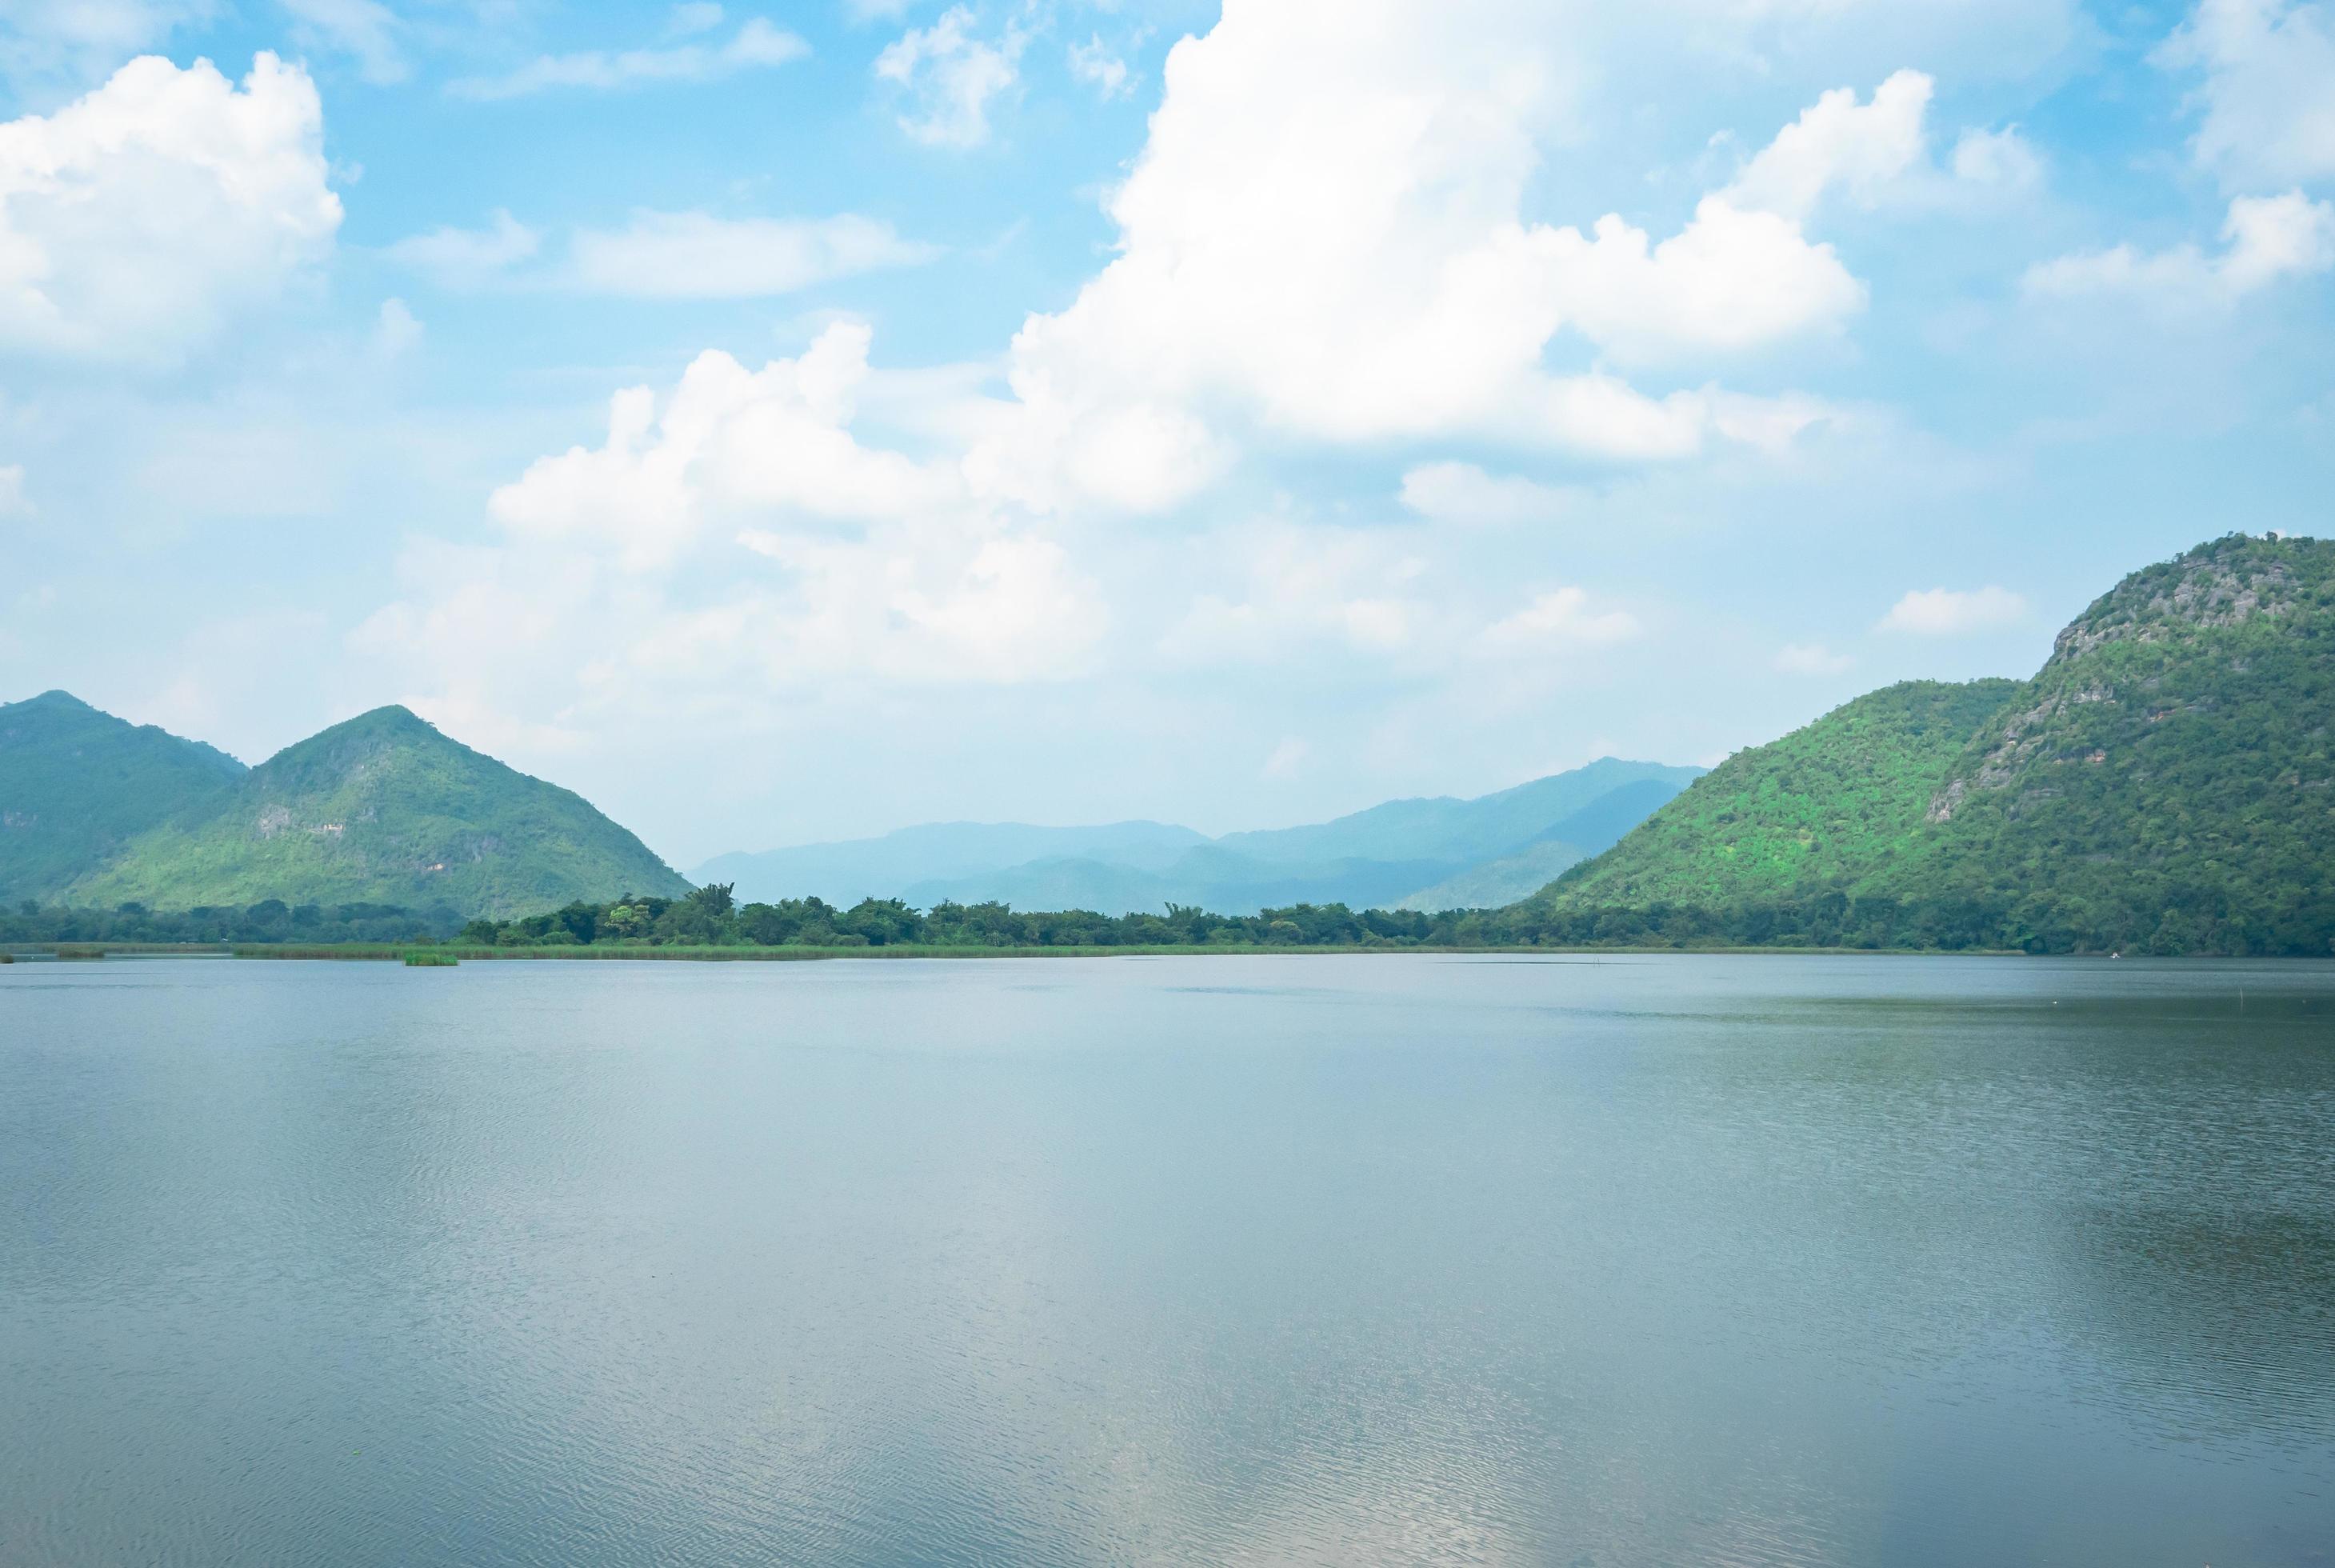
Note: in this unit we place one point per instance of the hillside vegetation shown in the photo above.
(1835, 799)
(381, 810)
(2164, 784)
(76, 785)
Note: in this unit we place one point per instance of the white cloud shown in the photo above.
(395, 330)
(2265, 238)
(139, 219)
(1742, 274)
(757, 43)
(14, 503)
(695, 255)
(1811, 659)
(1559, 618)
(953, 76)
(2274, 237)
(1100, 69)
(1731, 280)
(1950, 612)
(669, 255)
(754, 446)
(692, 17)
(85, 40)
(1330, 238)
(365, 30)
(732, 537)
(1839, 144)
(1464, 495)
(2269, 92)
(466, 258)
(1997, 160)
(1324, 235)
(1302, 588)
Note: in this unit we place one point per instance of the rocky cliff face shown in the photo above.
(2174, 642)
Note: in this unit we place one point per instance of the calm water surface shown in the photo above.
(1233, 1259)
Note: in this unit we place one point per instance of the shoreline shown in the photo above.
(383, 953)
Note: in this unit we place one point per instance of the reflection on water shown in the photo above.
(1295, 1260)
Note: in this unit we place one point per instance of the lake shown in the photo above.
(1306, 1259)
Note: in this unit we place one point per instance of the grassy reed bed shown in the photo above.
(446, 956)
(394, 953)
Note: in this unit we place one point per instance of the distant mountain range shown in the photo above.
(382, 810)
(1497, 848)
(2164, 783)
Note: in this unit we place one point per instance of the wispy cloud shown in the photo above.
(952, 76)
(365, 30)
(466, 258)
(1949, 611)
(663, 255)
(2267, 238)
(1556, 618)
(1093, 64)
(757, 45)
(696, 256)
(1462, 493)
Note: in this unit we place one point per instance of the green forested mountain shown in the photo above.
(1837, 800)
(2166, 783)
(2168, 780)
(382, 810)
(76, 784)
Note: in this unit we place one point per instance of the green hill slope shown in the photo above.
(1838, 798)
(2166, 781)
(2164, 784)
(382, 809)
(76, 784)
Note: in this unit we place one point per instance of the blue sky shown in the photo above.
(793, 422)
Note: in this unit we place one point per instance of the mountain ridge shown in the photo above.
(2164, 783)
(380, 808)
(76, 783)
(1378, 855)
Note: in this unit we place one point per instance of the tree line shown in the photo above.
(270, 920)
(2177, 921)
(2172, 920)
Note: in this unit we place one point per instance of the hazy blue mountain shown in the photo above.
(1588, 832)
(76, 784)
(1209, 878)
(1464, 831)
(1385, 855)
(847, 871)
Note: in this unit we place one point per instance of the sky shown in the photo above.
(792, 421)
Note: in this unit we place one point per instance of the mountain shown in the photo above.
(2164, 783)
(381, 809)
(1206, 878)
(1458, 831)
(1591, 831)
(1381, 857)
(846, 872)
(1833, 800)
(2168, 780)
(76, 784)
